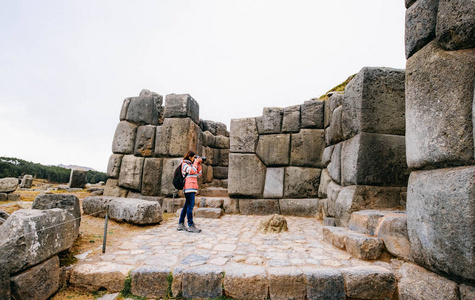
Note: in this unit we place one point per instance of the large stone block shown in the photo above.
(393, 231)
(244, 135)
(145, 140)
(299, 207)
(301, 182)
(113, 167)
(274, 185)
(8, 185)
(182, 106)
(246, 282)
(334, 132)
(209, 140)
(335, 236)
(325, 179)
(203, 282)
(327, 155)
(112, 189)
(63, 201)
(145, 108)
(231, 205)
(150, 281)
(169, 166)
(222, 142)
(270, 121)
(287, 283)
(39, 282)
(374, 102)
(325, 283)
(177, 136)
(307, 148)
(374, 159)
(124, 138)
(467, 292)
(366, 221)
(372, 282)
(221, 129)
(418, 283)
(125, 107)
(312, 114)
(273, 149)
(364, 247)
(455, 24)
(206, 173)
(333, 190)
(26, 182)
(439, 105)
(335, 99)
(420, 25)
(77, 178)
(151, 177)
(291, 119)
(441, 220)
(334, 168)
(246, 175)
(102, 275)
(224, 157)
(210, 126)
(131, 172)
(261, 207)
(220, 172)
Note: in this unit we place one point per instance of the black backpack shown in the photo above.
(178, 179)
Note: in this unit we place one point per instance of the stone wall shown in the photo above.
(151, 139)
(440, 73)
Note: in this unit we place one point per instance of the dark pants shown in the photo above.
(188, 209)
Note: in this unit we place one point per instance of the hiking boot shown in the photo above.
(193, 229)
(181, 227)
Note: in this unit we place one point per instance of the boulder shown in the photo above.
(135, 211)
(210, 126)
(364, 247)
(169, 166)
(440, 135)
(274, 184)
(222, 142)
(259, 206)
(239, 278)
(335, 99)
(333, 190)
(246, 175)
(113, 167)
(209, 140)
(102, 275)
(291, 119)
(455, 24)
(144, 109)
(270, 121)
(273, 224)
(220, 172)
(182, 106)
(125, 107)
(150, 281)
(393, 231)
(203, 282)
(112, 189)
(334, 132)
(325, 283)
(131, 172)
(209, 213)
(306, 139)
(299, 207)
(273, 149)
(243, 135)
(148, 198)
(8, 185)
(151, 176)
(26, 182)
(145, 140)
(221, 129)
(325, 180)
(206, 174)
(177, 136)
(312, 114)
(124, 138)
(327, 155)
(334, 168)
(440, 220)
(286, 283)
(96, 206)
(210, 154)
(63, 201)
(420, 25)
(371, 282)
(301, 182)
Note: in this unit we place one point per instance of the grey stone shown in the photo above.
(455, 24)
(243, 135)
(393, 231)
(246, 282)
(39, 282)
(224, 157)
(286, 283)
(112, 189)
(77, 178)
(273, 224)
(222, 142)
(301, 182)
(203, 282)
(441, 218)
(327, 154)
(274, 185)
(182, 106)
(113, 167)
(96, 206)
(364, 247)
(131, 172)
(420, 25)
(143, 197)
(312, 114)
(270, 121)
(374, 102)
(145, 108)
(171, 205)
(372, 282)
(246, 175)
(325, 283)
(4, 215)
(299, 207)
(209, 213)
(169, 166)
(211, 154)
(334, 132)
(327, 221)
(209, 140)
(325, 180)
(176, 137)
(206, 173)
(335, 236)
(151, 177)
(124, 138)
(306, 139)
(63, 201)
(334, 100)
(210, 126)
(417, 283)
(221, 130)
(467, 292)
(102, 275)
(14, 197)
(440, 135)
(3, 196)
(291, 119)
(150, 281)
(259, 206)
(334, 168)
(5, 292)
(231, 205)
(220, 172)
(145, 140)
(125, 107)
(374, 159)
(274, 149)
(333, 190)
(365, 221)
(135, 211)
(26, 182)
(8, 185)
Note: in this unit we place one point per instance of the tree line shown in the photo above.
(15, 167)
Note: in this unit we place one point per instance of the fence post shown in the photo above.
(104, 240)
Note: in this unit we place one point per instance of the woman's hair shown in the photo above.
(189, 155)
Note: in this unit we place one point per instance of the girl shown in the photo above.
(190, 169)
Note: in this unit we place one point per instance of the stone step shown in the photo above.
(213, 192)
(204, 212)
(367, 221)
(357, 244)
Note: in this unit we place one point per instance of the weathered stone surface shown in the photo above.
(145, 140)
(8, 185)
(393, 231)
(259, 206)
(135, 211)
(222, 142)
(145, 108)
(171, 205)
(169, 166)
(301, 182)
(273, 149)
(131, 172)
(112, 189)
(420, 25)
(374, 102)
(151, 176)
(334, 132)
(39, 282)
(274, 185)
(113, 167)
(209, 140)
(334, 100)
(182, 106)
(287, 283)
(176, 137)
(5, 293)
(92, 277)
(327, 155)
(221, 129)
(371, 282)
(273, 224)
(365, 221)
(306, 139)
(244, 135)
(335, 236)
(439, 93)
(409, 3)
(206, 173)
(299, 207)
(96, 206)
(333, 190)
(246, 282)
(291, 119)
(208, 212)
(325, 180)
(77, 178)
(26, 182)
(55, 230)
(417, 283)
(210, 126)
(456, 24)
(246, 175)
(210, 154)
(374, 159)
(3, 196)
(220, 172)
(203, 282)
(360, 197)
(325, 283)
(14, 197)
(312, 114)
(224, 157)
(364, 247)
(63, 201)
(231, 205)
(124, 138)
(150, 281)
(4, 215)
(270, 121)
(467, 292)
(441, 218)
(334, 168)
(125, 107)
(328, 221)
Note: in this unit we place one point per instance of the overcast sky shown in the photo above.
(67, 65)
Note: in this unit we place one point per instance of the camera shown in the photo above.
(202, 158)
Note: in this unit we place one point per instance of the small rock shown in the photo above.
(273, 224)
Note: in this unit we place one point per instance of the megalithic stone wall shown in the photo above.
(440, 73)
(151, 139)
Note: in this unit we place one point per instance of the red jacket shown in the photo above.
(190, 171)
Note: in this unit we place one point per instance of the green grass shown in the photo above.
(339, 88)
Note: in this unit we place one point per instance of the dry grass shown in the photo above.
(71, 293)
